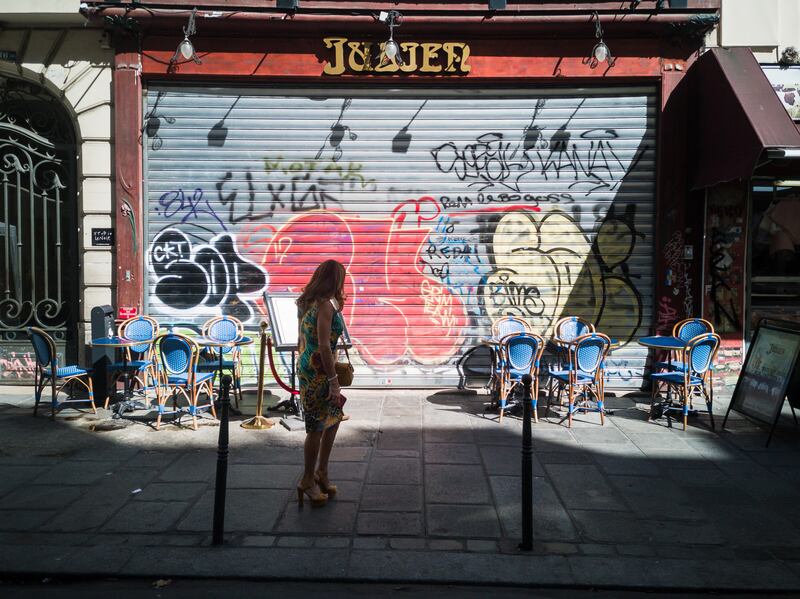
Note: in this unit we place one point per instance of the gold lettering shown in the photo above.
(411, 63)
(337, 66)
(430, 51)
(359, 50)
(465, 68)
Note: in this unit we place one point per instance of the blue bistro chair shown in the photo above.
(694, 377)
(502, 327)
(49, 372)
(521, 353)
(684, 330)
(179, 375)
(224, 328)
(141, 363)
(565, 331)
(584, 376)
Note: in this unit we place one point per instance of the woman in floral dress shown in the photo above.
(321, 324)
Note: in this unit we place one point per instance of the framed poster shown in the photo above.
(786, 83)
(282, 309)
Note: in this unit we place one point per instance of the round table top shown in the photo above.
(209, 342)
(117, 341)
(663, 342)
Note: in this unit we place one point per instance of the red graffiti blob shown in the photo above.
(393, 310)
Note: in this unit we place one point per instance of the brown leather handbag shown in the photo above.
(344, 371)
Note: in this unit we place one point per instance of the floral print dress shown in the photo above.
(320, 412)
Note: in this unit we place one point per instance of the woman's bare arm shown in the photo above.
(324, 322)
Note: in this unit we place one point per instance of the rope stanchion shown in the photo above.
(275, 375)
(259, 422)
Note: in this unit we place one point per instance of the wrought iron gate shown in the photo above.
(38, 233)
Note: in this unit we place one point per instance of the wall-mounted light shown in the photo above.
(186, 48)
(601, 52)
(391, 49)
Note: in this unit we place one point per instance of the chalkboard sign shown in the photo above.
(102, 237)
(769, 373)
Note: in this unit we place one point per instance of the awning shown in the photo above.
(740, 120)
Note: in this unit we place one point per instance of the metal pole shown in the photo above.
(527, 467)
(222, 465)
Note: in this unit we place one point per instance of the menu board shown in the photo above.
(768, 374)
(282, 310)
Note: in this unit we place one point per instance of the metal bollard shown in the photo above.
(527, 468)
(221, 485)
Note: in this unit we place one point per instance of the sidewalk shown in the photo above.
(429, 492)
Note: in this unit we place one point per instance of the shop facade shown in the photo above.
(496, 168)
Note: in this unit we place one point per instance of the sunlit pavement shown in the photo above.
(429, 491)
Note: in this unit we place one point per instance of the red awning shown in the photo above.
(739, 117)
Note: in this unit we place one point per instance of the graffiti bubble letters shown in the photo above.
(177, 203)
(212, 275)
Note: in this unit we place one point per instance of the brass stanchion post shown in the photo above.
(259, 422)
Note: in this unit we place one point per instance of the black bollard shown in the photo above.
(527, 468)
(222, 465)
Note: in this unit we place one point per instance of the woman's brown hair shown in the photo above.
(326, 282)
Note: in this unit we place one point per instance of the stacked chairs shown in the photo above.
(224, 328)
(692, 377)
(140, 360)
(179, 375)
(565, 331)
(583, 378)
(48, 371)
(501, 328)
(521, 353)
(684, 330)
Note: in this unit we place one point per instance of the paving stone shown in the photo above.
(396, 453)
(295, 542)
(369, 543)
(76, 473)
(462, 521)
(642, 495)
(583, 487)
(578, 456)
(246, 510)
(448, 435)
(392, 498)
(24, 519)
(265, 454)
(14, 476)
(600, 436)
(637, 572)
(335, 517)
(737, 524)
(395, 471)
(634, 464)
(258, 541)
(332, 542)
(147, 540)
(685, 533)
(610, 527)
(263, 476)
(350, 454)
(191, 467)
(506, 460)
(152, 459)
(171, 492)
(407, 544)
(389, 523)
(156, 516)
(636, 550)
(450, 453)
(550, 519)
(559, 548)
(596, 549)
(392, 439)
(341, 471)
(481, 545)
(41, 497)
(445, 545)
(749, 574)
(456, 484)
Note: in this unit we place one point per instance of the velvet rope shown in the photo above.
(277, 378)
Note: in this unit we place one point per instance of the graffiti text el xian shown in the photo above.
(424, 57)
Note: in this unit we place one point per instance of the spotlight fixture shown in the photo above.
(391, 49)
(186, 48)
(601, 52)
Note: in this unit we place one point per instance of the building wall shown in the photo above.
(75, 65)
(767, 27)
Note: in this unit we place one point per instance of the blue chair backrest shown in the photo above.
(691, 329)
(42, 348)
(139, 329)
(224, 329)
(590, 350)
(522, 350)
(176, 353)
(572, 329)
(700, 353)
(507, 326)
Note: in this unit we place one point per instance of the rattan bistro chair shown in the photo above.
(584, 376)
(684, 330)
(58, 377)
(224, 328)
(179, 376)
(502, 327)
(694, 377)
(565, 331)
(522, 353)
(140, 361)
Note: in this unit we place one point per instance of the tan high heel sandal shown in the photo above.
(329, 489)
(316, 500)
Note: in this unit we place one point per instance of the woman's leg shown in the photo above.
(328, 437)
(310, 453)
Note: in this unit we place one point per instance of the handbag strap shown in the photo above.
(336, 308)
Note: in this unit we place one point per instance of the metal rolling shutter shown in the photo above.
(449, 207)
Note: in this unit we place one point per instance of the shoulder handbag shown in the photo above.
(344, 370)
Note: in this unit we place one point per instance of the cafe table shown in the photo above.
(219, 345)
(670, 344)
(117, 342)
